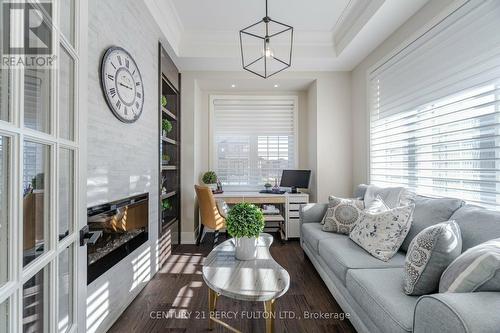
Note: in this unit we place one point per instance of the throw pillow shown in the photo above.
(430, 252)
(392, 196)
(381, 234)
(477, 269)
(376, 206)
(342, 215)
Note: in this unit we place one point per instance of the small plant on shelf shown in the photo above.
(210, 179)
(166, 126)
(166, 205)
(268, 186)
(164, 101)
(165, 158)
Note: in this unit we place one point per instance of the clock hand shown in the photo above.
(123, 85)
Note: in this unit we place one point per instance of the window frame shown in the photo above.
(212, 150)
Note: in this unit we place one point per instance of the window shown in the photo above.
(435, 110)
(253, 139)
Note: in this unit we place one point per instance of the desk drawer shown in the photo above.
(295, 207)
(298, 199)
(293, 214)
(293, 230)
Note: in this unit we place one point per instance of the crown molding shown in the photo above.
(168, 19)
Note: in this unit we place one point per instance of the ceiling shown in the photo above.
(328, 34)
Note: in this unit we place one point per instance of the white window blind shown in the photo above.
(253, 139)
(435, 110)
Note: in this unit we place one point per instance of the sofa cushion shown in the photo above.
(429, 211)
(429, 254)
(311, 234)
(342, 215)
(379, 293)
(477, 225)
(477, 269)
(342, 254)
(360, 191)
(381, 234)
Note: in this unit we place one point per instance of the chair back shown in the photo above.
(210, 216)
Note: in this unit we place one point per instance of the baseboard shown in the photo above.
(188, 237)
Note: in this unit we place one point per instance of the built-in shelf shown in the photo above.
(168, 195)
(274, 218)
(168, 113)
(169, 147)
(168, 140)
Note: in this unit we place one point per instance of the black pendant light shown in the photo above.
(266, 47)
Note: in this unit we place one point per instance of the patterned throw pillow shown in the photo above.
(477, 269)
(342, 215)
(381, 234)
(430, 252)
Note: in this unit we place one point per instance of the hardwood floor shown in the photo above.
(175, 300)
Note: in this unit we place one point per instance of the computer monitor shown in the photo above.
(295, 179)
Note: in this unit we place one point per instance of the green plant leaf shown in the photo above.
(245, 220)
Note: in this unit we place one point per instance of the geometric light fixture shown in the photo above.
(266, 47)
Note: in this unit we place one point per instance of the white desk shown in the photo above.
(290, 201)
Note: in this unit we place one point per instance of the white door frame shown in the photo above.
(15, 130)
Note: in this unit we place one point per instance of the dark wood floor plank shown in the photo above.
(178, 290)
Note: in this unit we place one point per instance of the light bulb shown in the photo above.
(268, 52)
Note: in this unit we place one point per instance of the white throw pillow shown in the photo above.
(342, 215)
(381, 234)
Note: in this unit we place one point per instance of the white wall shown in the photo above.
(122, 158)
(358, 84)
(324, 139)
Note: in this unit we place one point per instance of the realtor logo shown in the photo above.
(27, 34)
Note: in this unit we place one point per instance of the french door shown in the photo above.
(41, 185)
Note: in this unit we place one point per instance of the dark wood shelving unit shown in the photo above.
(169, 141)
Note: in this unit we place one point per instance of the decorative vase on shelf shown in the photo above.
(245, 222)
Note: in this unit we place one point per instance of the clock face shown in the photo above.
(122, 84)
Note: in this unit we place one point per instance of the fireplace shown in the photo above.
(122, 226)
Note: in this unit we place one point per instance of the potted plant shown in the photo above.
(210, 179)
(164, 101)
(165, 158)
(166, 126)
(268, 186)
(245, 222)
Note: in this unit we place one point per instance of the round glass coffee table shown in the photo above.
(261, 279)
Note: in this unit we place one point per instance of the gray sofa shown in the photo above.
(370, 290)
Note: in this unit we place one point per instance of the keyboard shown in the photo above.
(272, 192)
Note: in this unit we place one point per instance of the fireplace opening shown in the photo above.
(124, 227)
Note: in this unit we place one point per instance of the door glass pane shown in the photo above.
(4, 206)
(66, 95)
(35, 199)
(66, 189)
(68, 20)
(35, 303)
(65, 288)
(37, 92)
(4, 317)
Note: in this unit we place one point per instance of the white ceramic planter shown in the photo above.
(245, 248)
(213, 187)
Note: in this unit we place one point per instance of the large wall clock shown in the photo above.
(122, 84)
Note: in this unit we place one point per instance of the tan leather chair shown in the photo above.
(210, 215)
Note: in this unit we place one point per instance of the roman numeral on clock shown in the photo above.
(112, 92)
(137, 105)
(125, 110)
(139, 95)
(119, 60)
(127, 63)
(137, 83)
(118, 104)
(111, 77)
